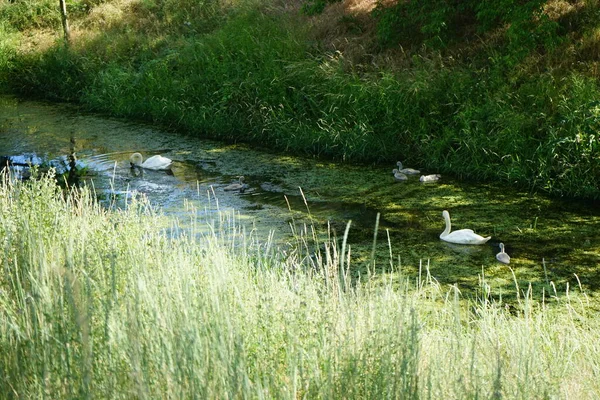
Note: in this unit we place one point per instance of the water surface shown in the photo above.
(549, 240)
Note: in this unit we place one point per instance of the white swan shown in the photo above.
(240, 185)
(407, 171)
(462, 236)
(399, 176)
(430, 178)
(154, 162)
(502, 256)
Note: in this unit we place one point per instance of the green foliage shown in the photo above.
(429, 21)
(56, 74)
(187, 16)
(439, 22)
(80, 8)
(102, 303)
(7, 52)
(572, 152)
(314, 7)
(218, 85)
(247, 75)
(528, 27)
(27, 14)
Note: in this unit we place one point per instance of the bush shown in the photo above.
(28, 14)
(55, 75)
(313, 7)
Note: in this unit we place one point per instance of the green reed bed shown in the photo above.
(104, 303)
(243, 71)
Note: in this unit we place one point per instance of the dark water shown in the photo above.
(549, 240)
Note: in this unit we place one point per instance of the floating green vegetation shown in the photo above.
(549, 240)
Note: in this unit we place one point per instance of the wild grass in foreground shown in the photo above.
(100, 303)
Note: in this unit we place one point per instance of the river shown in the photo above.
(553, 243)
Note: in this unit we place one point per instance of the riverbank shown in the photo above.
(85, 312)
(335, 84)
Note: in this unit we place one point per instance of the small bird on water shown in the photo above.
(399, 176)
(430, 178)
(240, 185)
(502, 256)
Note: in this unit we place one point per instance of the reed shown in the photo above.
(102, 302)
(247, 71)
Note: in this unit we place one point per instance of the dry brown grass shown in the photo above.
(582, 50)
(106, 15)
(587, 56)
(100, 18)
(347, 28)
(558, 9)
(39, 40)
(359, 6)
(291, 7)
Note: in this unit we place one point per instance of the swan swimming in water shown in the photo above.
(430, 178)
(462, 236)
(399, 176)
(154, 162)
(240, 185)
(502, 256)
(407, 171)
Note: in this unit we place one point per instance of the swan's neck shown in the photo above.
(448, 226)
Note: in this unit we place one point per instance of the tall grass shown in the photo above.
(29, 14)
(8, 42)
(103, 303)
(240, 71)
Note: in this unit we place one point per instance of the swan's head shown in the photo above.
(446, 214)
(399, 164)
(501, 247)
(395, 171)
(136, 160)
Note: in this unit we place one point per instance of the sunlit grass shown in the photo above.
(102, 303)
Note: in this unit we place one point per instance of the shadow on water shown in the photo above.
(549, 240)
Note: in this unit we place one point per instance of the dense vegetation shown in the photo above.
(490, 90)
(97, 302)
(102, 303)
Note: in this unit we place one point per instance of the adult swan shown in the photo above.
(154, 162)
(462, 236)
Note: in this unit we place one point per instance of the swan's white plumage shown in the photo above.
(462, 236)
(407, 171)
(154, 162)
(430, 178)
(399, 176)
(502, 256)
